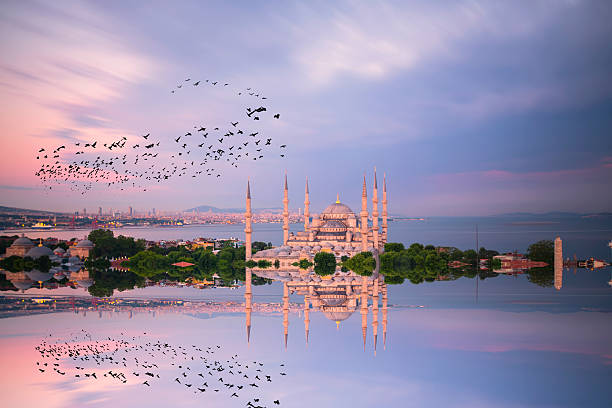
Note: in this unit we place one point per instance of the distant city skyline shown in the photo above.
(470, 108)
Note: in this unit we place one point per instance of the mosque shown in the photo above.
(24, 247)
(337, 229)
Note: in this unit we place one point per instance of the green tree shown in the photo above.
(362, 263)
(542, 251)
(303, 264)
(394, 247)
(325, 263)
(263, 264)
(148, 264)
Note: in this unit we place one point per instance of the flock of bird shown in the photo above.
(130, 360)
(128, 164)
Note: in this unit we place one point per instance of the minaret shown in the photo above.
(286, 213)
(375, 211)
(248, 299)
(364, 308)
(286, 312)
(248, 215)
(384, 313)
(375, 313)
(306, 207)
(384, 209)
(558, 263)
(364, 217)
(306, 316)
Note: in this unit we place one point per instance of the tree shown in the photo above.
(362, 264)
(394, 247)
(303, 263)
(543, 251)
(259, 246)
(325, 263)
(263, 264)
(148, 264)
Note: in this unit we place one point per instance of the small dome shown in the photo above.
(22, 284)
(85, 244)
(85, 283)
(59, 250)
(22, 241)
(37, 252)
(337, 316)
(39, 276)
(338, 208)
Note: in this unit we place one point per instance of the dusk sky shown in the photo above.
(470, 108)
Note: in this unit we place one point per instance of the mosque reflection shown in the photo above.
(337, 297)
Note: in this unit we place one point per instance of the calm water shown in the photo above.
(501, 342)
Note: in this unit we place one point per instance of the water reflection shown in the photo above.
(337, 297)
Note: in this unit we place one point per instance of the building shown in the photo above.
(19, 247)
(516, 263)
(337, 229)
(82, 249)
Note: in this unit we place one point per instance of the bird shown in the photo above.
(277, 116)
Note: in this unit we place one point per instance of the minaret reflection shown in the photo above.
(286, 312)
(558, 263)
(384, 313)
(306, 316)
(375, 314)
(364, 309)
(248, 299)
(337, 297)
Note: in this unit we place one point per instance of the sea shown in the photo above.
(502, 341)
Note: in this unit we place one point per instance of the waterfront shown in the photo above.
(502, 341)
(583, 236)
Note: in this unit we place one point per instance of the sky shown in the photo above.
(468, 107)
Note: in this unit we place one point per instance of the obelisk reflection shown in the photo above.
(558, 261)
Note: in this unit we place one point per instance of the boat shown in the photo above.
(41, 226)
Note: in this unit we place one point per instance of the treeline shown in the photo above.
(156, 264)
(108, 246)
(419, 263)
(16, 263)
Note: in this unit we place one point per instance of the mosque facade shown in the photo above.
(337, 229)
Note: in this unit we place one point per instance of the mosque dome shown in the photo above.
(338, 208)
(38, 251)
(23, 242)
(85, 283)
(59, 251)
(22, 284)
(85, 244)
(337, 316)
(39, 276)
